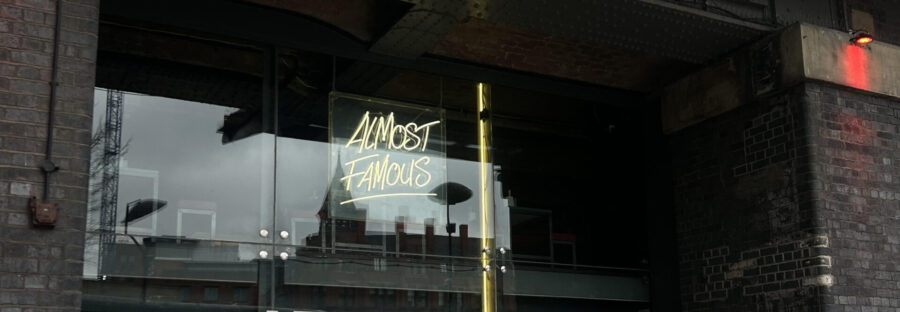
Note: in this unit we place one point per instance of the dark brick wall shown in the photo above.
(40, 269)
(857, 161)
(748, 237)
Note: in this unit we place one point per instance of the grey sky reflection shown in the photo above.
(197, 173)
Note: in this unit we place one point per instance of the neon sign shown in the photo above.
(379, 131)
(385, 150)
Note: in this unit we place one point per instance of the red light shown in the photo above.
(864, 39)
(861, 37)
(856, 66)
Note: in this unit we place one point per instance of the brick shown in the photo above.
(31, 58)
(11, 281)
(28, 72)
(81, 11)
(79, 24)
(37, 4)
(19, 298)
(52, 267)
(10, 41)
(36, 45)
(7, 70)
(29, 87)
(19, 265)
(771, 287)
(82, 39)
(17, 218)
(9, 12)
(34, 16)
(22, 189)
(32, 30)
(35, 281)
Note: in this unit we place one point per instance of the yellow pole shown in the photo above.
(487, 222)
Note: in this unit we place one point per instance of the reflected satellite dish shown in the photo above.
(455, 193)
(141, 208)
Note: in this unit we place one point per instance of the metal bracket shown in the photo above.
(49, 166)
(484, 114)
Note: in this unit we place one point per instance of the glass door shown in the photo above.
(377, 205)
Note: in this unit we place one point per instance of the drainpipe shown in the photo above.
(48, 166)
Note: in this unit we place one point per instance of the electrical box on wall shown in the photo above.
(43, 214)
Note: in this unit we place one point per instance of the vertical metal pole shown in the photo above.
(127, 212)
(48, 166)
(272, 64)
(268, 104)
(483, 92)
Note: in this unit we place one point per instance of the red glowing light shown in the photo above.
(856, 66)
(864, 39)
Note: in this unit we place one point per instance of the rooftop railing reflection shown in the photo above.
(202, 261)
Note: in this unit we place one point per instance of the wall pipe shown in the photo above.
(48, 166)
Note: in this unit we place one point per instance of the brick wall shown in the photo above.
(40, 269)
(857, 160)
(748, 236)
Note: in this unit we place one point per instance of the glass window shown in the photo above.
(241, 294)
(376, 179)
(185, 293)
(571, 215)
(182, 174)
(211, 293)
(299, 181)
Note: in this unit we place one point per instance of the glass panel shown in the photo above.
(572, 239)
(182, 177)
(369, 225)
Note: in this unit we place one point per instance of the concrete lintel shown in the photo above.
(829, 56)
(798, 53)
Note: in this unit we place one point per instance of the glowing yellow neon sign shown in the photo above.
(375, 171)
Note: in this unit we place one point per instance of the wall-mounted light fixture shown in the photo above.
(860, 37)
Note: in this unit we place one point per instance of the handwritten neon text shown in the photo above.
(373, 130)
(376, 171)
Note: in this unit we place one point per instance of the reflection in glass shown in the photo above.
(173, 153)
(193, 189)
(202, 171)
(361, 246)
